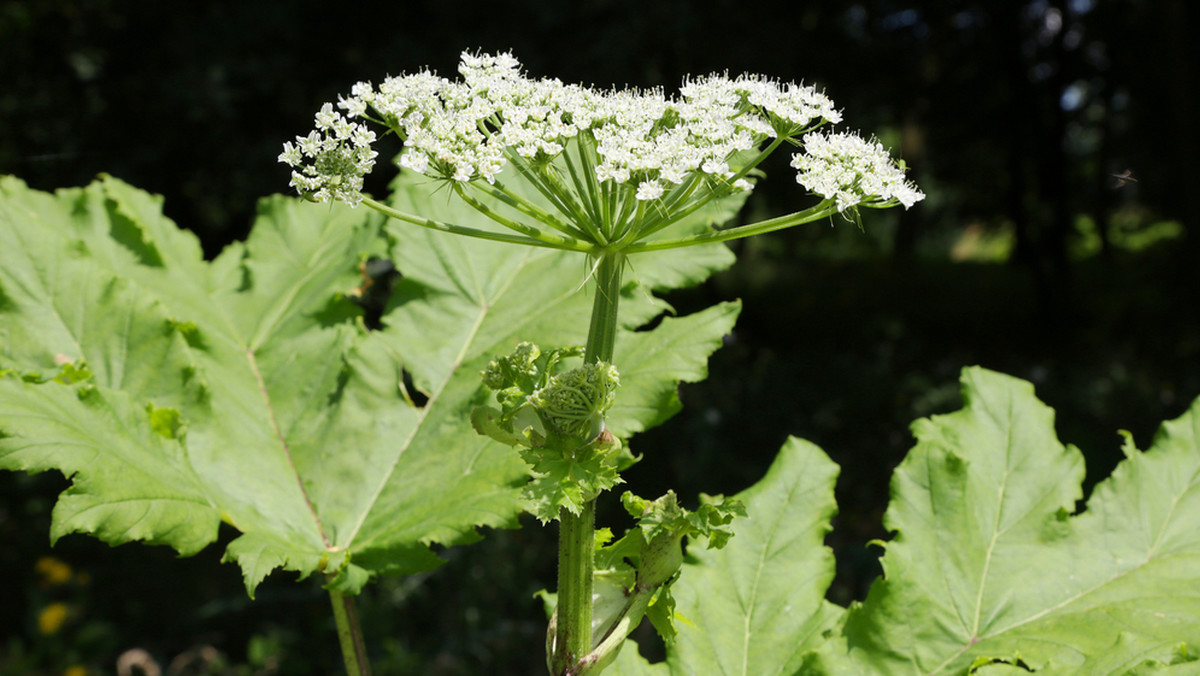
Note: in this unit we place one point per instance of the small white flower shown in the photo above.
(714, 166)
(418, 162)
(310, 145)
(649, 190)
(361, 136)
(355, 106)
(325, 118)
(291, 155)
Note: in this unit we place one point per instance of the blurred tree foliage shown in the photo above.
(1008, 112)
(1019, 119)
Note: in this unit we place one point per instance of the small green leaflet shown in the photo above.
(246, 390)
(990, 570)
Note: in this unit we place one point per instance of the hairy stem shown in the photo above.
(354, 650)
(576, 535)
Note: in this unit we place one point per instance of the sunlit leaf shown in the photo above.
(991, 565)
(990, 570)
(757, 605)
(247, 390)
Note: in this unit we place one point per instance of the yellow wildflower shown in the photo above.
(52, 571)
(51, 619)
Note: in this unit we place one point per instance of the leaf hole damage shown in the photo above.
(416, 396)
(982, 662)
(379, 277)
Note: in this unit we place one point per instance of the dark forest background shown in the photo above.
(1056, 140)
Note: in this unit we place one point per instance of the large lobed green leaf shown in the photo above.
(990, 563)
(757, 605)
(246, 390)
(991, 569)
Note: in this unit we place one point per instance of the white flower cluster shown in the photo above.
(851, 170)
(340, 153)
(473, 128)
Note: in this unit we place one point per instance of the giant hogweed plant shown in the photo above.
(178, 394)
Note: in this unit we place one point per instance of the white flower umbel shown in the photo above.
(613, 166)
(331, 161)
(852, 171)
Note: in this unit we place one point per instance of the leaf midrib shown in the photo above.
(264, 330)
(988, 555)
(283, 444)
(758, 573)
(1082, 593)
(485, 307)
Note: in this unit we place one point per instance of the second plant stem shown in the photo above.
(576, 543)
(354, 651)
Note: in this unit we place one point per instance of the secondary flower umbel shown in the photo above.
(341, 155)
(612, 166)
(852, 171)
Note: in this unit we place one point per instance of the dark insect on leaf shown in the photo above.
(379, 277)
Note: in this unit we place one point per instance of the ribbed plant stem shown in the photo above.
(354, 650)
(576, 559)
(602, 334)
(576, 534)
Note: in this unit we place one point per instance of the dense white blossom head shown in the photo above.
(471, 129)
(331, 161)
(640, 145)
(851, 171)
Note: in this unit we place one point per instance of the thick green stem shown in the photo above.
(354, 650)
(576, 561)
(576, 534)
(602, 334)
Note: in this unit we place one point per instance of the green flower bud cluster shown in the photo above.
(536, 402)
(518, 373)
(574, 403)
(557, 421)
(502, 371)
